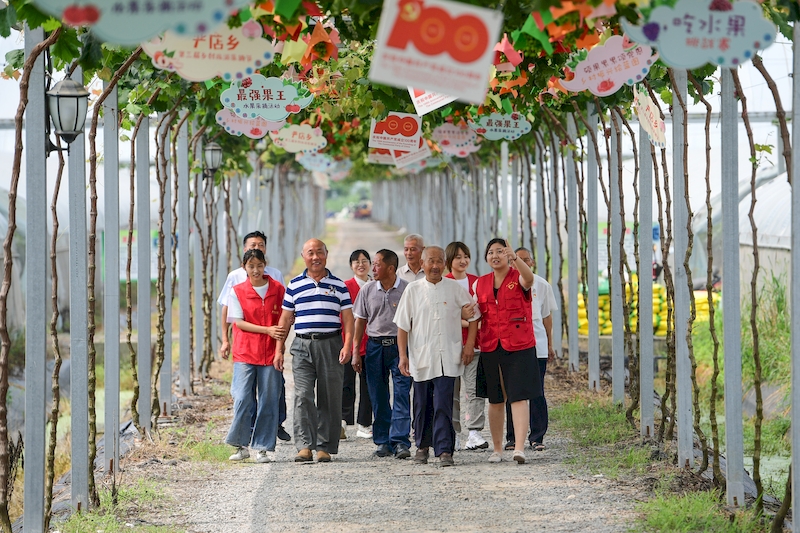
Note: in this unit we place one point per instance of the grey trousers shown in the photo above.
(474, 417)
(317, 423)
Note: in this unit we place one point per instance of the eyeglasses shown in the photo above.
(361, 262)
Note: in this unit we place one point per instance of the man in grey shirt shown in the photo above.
(374, 312)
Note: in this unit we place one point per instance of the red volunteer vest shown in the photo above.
(352, 286)
(465, 331)
(257, 348)
(506, 320)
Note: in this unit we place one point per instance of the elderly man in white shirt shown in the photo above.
(413, 245)
(428, 320)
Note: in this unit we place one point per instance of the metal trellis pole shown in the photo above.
(645, 332)
(616, 290)
(572, 251)
(592, 247)
(143, 315)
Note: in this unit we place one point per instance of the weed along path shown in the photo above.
(575, 485)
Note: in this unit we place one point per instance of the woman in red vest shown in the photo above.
(508, 370)
(254, 307)
(457, 260)
(361, 265)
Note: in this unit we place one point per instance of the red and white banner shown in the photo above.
(398, 131)
(380, 156)
(427, 101)
(437, 45)
(403, 158)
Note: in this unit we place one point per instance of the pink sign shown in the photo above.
(398, 131)
(426, 101)
(255, 128)
(228, 53)
(496, 126)
(456, 140)
(299, 138)
(649, 118)
(438, 45)
(269, 98)
(609, 66)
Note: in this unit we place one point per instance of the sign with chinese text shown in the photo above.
(649, 118)
(225, 52)
(496, 126)
(398, 131)
(608, 67)
(403, 158)
(269, 98)
(427, 101)
(314, 161)
(299, 138)
(340, 169)
(459, 141)
(380, 156)
(130, 22)
(255, 128)
(437, 45)
(694, 33)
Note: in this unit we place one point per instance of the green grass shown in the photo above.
(112, 519)
(604, 442)
(693, 512)
(205, 448)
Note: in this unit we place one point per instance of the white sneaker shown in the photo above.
(365, 432)
(475, 441)
(457, 446)
(241, 454)
(263, 456)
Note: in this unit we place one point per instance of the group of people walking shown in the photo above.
(428, 326)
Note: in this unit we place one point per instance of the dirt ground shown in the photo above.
(358, 492)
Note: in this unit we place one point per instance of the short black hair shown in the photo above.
(253, 253)
(254, 235)
(496, 240)
(358, 253)
(389, 257)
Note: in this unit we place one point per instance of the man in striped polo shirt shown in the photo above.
(319, 304)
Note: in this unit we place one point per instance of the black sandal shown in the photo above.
(537, 446)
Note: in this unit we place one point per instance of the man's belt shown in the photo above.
(385, 341)
(319, 336)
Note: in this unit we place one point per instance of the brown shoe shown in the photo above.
(421, 457)
(323, 456)
(446, 459)
(343, 434)
(303, 456)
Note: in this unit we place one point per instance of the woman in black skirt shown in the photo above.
(507, 370)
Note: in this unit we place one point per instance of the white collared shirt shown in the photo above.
(431, 313)
(404, 272)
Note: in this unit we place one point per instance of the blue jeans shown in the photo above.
(268, 382)
(281, 404)
(392, 424)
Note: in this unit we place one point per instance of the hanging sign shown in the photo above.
(228, 53)
(269, 98)
(437, 45)
(694, 33)
(496, 126)
(427, 101)
(380, 156)
(649, 118)
(607, 67)
(456, 140)
(403, 158)
(340, 169)
(314, 161)
(398, 131)
(130, 22)
(299, 138)
(255, 128)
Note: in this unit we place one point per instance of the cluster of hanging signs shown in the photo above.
(192, 39)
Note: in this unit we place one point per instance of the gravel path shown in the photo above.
(357, 492)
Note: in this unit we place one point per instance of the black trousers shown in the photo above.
(349, 397)
(538, 409)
